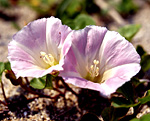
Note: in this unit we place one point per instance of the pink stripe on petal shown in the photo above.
(95, 36)
(56, 34)
(116, 51)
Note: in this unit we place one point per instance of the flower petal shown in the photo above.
(83, 83)
(116, 51)
(117, 76)
(56, 34)
(95, 36)
(31, 39)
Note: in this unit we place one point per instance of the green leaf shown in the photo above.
(5, 3)
(145, 62)
(2, 67)
(69, 9)
(43, 82)
(74, 7)
(145, 117)
(127, 91)
(49, 84)
(120, 102)
(107, 113)
(37, 83)
(113, 114)
(135, 81)
(7, 65)
(83, 20)
(129, 31)
(145, 99)
(126, 6)
(62, 7)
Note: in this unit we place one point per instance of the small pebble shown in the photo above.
(25, 113)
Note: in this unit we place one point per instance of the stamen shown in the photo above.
(48, 58)
(94, 70)
(96, 62)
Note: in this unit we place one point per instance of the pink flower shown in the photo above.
(38, 49)
(99, 59)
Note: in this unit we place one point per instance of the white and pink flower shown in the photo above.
(38, 49)
(99, 59)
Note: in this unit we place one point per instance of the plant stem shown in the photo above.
(3, 103)
(67, 86)
(4, 92)
(27, 81)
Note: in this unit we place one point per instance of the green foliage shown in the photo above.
(3, 66)
(127, 6)
(129, 31)
(49, 79)
(113, 114)
(124, 6)
(128, 98)
(120, 102)
(40, 83)
(145, 117)
(145, 62)
(145, 58)
(7, 66)
(68, 9)
(74, 7)
(72, 13)
(83, 20)
(80, 22)
(5, 3)
(127, 91)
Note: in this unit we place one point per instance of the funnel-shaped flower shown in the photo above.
(38, 48)
(99, 59)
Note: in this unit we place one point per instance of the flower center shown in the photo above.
(47, 58)
(94, 70)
